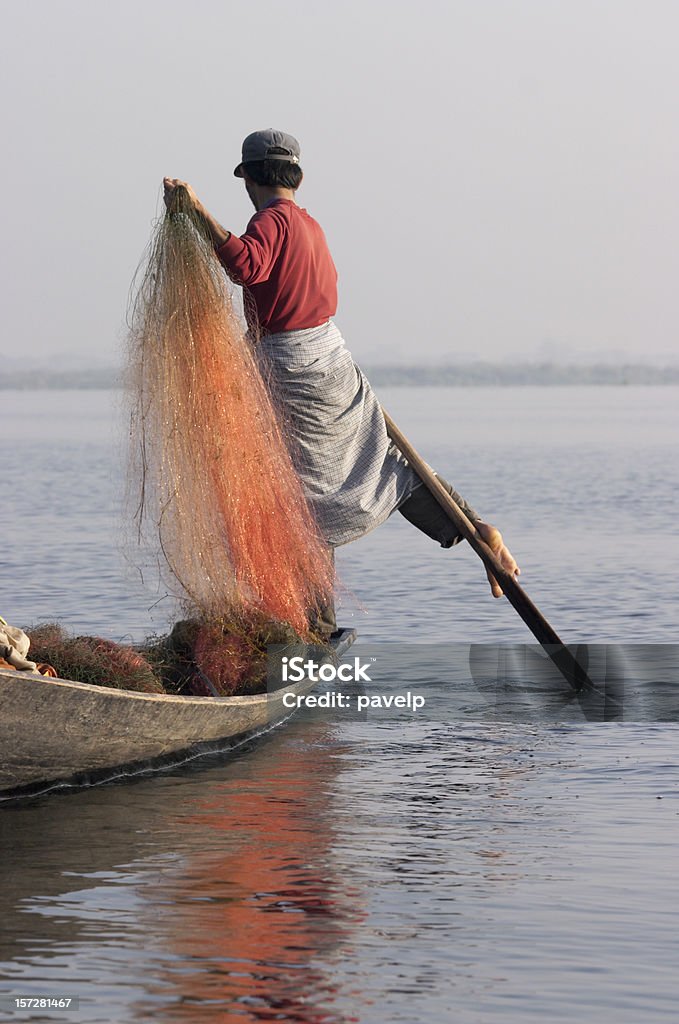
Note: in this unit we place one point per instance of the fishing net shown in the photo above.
(211, 469)
(198, 657)
(210, 659)
(93, 659)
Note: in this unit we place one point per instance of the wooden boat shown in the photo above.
(54, 732)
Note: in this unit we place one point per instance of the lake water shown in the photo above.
(500, 856)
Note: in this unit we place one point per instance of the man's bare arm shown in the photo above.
(218, 234)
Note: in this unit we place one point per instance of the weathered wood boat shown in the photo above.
(54, 732)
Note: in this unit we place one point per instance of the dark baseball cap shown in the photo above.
(258, 146)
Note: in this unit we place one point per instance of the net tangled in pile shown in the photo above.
(93, 659)
(210, 467)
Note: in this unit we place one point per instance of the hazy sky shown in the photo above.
(495, 177)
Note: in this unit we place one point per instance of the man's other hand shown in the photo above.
(170, 184)
(493, 538)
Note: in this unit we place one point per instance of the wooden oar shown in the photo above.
(517, 597)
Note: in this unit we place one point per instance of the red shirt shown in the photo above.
(284, 261)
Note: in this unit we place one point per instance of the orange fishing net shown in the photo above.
(212, 470)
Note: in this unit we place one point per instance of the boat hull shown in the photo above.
(55, 732)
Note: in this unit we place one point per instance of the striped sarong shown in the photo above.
(353, 475)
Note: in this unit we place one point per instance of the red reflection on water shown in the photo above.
(257, 914)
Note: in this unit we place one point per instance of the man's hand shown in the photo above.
(170, 184)
(218, 234)
(493, 538)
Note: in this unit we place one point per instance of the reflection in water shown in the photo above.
(256, 913)
(366, 871)
(224, 881)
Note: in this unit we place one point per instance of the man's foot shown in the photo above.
(493, 538)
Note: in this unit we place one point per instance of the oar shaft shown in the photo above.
(518, 598)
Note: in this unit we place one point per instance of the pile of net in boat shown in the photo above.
(211, 659)
(93, 659)
(211, 471)
(196, 659)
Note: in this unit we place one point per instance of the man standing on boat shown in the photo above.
(353, 475)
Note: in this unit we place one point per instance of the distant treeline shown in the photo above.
(514, 374)
(460, 375)
(60, 380)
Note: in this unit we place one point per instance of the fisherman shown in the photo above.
(354, 477)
